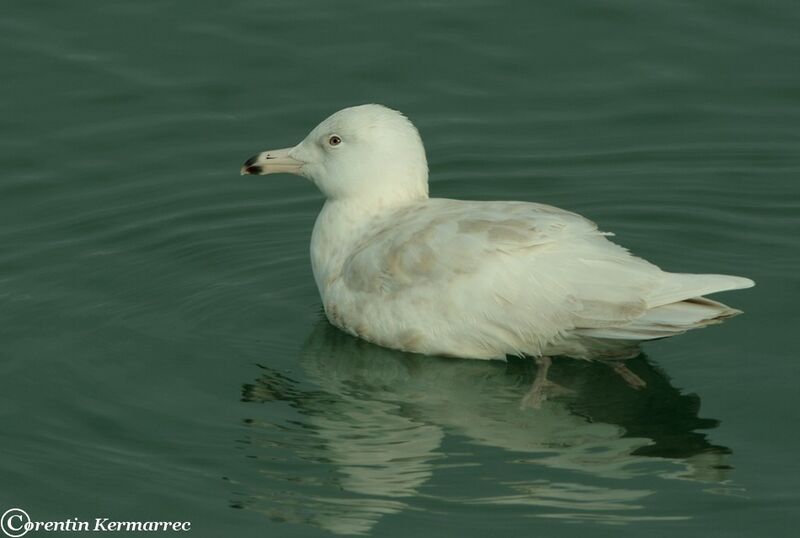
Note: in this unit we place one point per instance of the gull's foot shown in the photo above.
(634, 381)
(537, 395)
(542, 388)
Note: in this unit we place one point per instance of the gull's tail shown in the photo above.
(677, 307)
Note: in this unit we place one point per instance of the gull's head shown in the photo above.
(361, 151)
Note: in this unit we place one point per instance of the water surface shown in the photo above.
(163, 350)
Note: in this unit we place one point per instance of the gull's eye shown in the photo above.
(334, 140)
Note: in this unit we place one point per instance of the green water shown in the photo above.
(164, 355)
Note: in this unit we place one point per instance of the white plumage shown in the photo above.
(471, 279)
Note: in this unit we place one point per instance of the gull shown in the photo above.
(473, 279)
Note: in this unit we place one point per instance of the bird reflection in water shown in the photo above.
(367, 440)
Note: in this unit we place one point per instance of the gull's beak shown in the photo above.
(272, 162)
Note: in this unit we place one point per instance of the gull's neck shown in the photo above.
(342, 223)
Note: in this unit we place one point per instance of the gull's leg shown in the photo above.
(634, 381)
(537, 393)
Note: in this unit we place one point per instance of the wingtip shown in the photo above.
(746, 282)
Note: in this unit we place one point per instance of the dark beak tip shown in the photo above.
(252, 170)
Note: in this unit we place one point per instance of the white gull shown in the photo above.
(470, 279)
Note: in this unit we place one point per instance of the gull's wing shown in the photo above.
(524, 268)
(521, 273)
